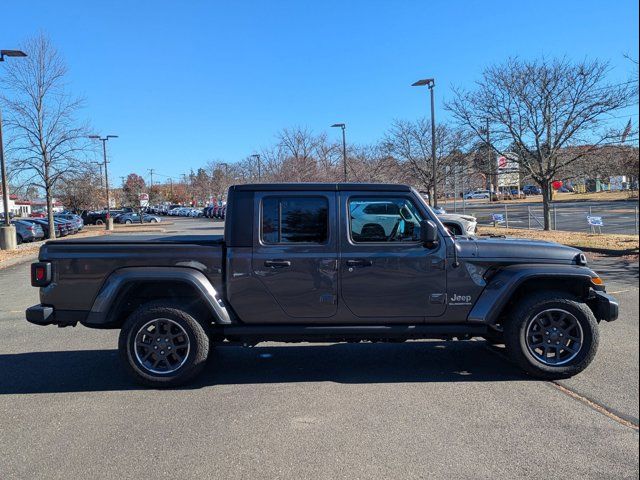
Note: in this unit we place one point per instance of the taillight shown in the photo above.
(40, 274)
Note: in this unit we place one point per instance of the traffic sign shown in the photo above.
(595, 221)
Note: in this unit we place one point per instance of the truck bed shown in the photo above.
(143, 239)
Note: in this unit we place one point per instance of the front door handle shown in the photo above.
(277, 263)
(360, 262)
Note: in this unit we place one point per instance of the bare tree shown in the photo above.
(82, 190)
(538, 109)
(45, 141)
(410, 142)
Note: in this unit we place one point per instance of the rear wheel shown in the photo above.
(162, 345)
(99, 222)
(551, 335)
(19, 239)
(128, 222)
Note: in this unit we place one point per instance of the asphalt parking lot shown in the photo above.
(420, 409)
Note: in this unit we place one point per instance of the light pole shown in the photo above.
(8, 237)
(430, 82)
(344, 147)
(226, 176)
(101, 176)
(104, 140)
(257, 157)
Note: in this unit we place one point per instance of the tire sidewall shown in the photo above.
(516, 331)
(198, 349)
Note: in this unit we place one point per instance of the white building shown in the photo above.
(20, 208)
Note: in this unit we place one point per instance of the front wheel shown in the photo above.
(551, 335)
(162, 345)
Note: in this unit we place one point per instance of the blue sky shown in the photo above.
(186, 82)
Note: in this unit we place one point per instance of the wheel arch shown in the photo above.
(128, 288)
(511, 284)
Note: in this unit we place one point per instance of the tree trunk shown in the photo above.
(546, 204)
(52, 224)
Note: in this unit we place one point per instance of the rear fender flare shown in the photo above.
(118, 280)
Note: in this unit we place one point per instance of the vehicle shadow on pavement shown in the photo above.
(100, 370)
(617, 271)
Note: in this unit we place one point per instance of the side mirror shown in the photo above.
(428, 233)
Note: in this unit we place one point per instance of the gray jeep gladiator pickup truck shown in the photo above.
(323, 263)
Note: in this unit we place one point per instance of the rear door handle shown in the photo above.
(360, 262)
(277, 263)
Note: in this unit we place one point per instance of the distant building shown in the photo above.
(18, 207)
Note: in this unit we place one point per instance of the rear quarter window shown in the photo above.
(295, 220)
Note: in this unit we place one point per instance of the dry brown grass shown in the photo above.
(615, 243)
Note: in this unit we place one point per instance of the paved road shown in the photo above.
(421, 409)
(618, 217)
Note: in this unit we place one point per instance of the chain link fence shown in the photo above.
(615, 217)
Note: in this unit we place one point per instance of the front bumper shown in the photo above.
(605, 307)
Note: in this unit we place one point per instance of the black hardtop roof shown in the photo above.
(373, 187)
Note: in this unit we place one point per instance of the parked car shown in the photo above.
(477, 194)
(44, 223)
(37, 214)
(76, 220)
(531, 190)
(27, 231)
(459, 224)
(135, 218)
(292, 267)
(66, 227)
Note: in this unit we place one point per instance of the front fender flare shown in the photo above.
(504, 284)
(108, 294)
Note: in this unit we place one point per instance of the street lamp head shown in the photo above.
(341, 125)
(94, 137)
(430, 82)
(255, 155)
(112, 136)
(11, 53)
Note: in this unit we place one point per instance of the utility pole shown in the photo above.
(8, 239)
(150, 184)
(344, 148)
(490, 160)
(104, 140)
(257, 157)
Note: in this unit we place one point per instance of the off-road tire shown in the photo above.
(516, 325)
(199, 345)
